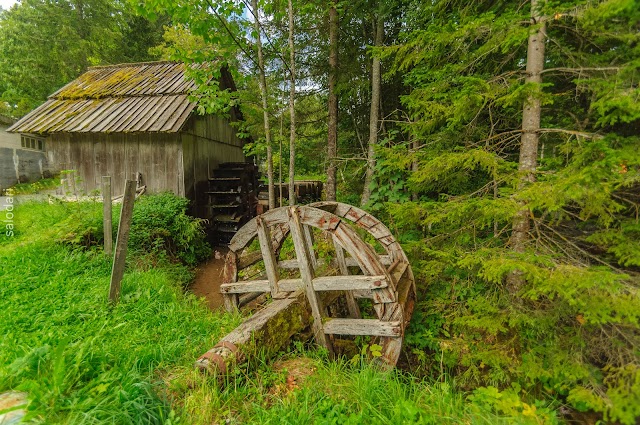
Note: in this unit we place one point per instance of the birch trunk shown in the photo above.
(530, 135)
(332, 133)
(263, 94)
(292, 111)
(374, 114)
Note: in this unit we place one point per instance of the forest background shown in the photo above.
(499, 140)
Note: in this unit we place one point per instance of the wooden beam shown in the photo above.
(268, 330)
(249, 259)
(371, 327)
(352, 304)
(230, 274)
(308, 236)
(306, 273)
(117, 272)
(269, 258)
(351, 262)
(323, 283)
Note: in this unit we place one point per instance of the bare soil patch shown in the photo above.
(209, 277)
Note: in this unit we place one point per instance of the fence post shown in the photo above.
(117, 272)
(106, 213)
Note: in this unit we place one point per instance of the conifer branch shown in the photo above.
(580, 70)
(593, 257)
(571, 132)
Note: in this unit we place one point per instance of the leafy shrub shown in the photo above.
(161, 226)
(83, 226)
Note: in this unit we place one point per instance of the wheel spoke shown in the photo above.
(306, 274)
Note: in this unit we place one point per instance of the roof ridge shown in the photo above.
(122, 96)
(134, 64)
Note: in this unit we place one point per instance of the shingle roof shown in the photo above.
(144, 97)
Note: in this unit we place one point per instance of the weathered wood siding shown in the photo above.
(119, 155)
(206, 142)
(178, 162)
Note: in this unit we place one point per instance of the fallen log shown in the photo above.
(267, 331)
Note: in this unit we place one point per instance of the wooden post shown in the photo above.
(106, 213)
(117, 272)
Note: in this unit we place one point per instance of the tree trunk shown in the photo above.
(374, 114)
(292, 111)
(281, 138)
(529, 142)
(263, 94)
(332, 136)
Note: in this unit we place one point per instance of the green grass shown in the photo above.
(327, 392)
(81, 360)
(84, 362)
(35, 187)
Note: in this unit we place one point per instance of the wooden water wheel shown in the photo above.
(355, 273)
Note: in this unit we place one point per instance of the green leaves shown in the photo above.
(464, 65)
(160, 226)
(45, 44)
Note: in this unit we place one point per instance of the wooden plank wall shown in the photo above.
(179, 163)
(156, 156)
(206, 142)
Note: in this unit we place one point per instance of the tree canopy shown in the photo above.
(44, 45)
(500, 141)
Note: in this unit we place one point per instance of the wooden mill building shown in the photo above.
(134, 120)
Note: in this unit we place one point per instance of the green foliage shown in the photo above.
(390, 182)
(571, 330)
(509, 403)
(82, 226)
(80, 360)
(161, 226)
(310, 389)
(47, 44)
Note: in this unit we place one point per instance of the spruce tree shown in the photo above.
(569, 327)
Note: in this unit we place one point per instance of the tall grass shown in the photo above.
(83, 361)
(80, 360)
(328, 392)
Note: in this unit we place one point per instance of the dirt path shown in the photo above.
(208, 279)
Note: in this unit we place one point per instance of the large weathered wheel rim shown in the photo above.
(392, 301)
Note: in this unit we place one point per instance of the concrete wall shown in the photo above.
(19, 165)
